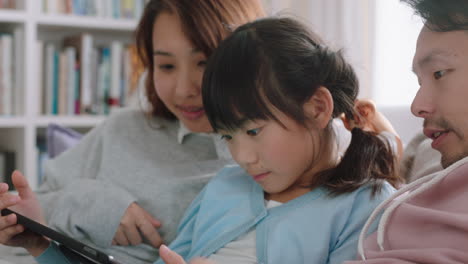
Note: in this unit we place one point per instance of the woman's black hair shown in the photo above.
(278, 62)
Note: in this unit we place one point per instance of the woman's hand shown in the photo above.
(369, 119)
(25, 203)
(135, 226)
(170, 257)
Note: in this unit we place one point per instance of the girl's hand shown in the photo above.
(25, 203)
(170, 257)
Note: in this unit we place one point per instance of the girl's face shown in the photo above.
(279, 159)
(178, 71)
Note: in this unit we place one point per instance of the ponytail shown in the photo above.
(368, 160)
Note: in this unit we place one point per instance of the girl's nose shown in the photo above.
(243, 154)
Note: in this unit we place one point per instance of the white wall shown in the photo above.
(378, 37)
(396, 33)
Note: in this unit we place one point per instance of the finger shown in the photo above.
(120, 238)
(155, 222)
(150, 233)
(3, 187)
(169, 256)
(7, 200)
(7, 234)
(22, 185)
(132, 234)
(7, 221)
(365, 108)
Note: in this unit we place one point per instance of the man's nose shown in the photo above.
(423, 103)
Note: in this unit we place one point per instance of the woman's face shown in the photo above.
(178, 71)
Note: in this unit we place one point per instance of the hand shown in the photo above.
(171, 257)
(136, 223)
(369, 119)
(25, 203)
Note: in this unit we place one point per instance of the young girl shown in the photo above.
(271, 90)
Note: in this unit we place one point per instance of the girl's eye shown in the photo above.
(226, 137)
(253, 132)
(166, 67)
(439, 74)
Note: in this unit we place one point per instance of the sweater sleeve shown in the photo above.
(362, 208)
(182, 244)
(75, 200)
(52, 255)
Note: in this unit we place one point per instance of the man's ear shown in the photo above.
(319, 107)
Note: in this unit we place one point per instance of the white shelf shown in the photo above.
(12, 16)
(78, 121)
(12, 122)
(20, 133)
(95, 23)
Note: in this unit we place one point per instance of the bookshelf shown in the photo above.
(33, 23)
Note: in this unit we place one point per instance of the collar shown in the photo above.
(183, 131)
(221, 148)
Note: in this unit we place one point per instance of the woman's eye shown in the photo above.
(202, 63)
(253, 132)
(226, 137)
(166, 67)
(439, 74)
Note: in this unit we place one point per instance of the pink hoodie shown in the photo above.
(424, 222)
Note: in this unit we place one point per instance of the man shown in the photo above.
(427, 221)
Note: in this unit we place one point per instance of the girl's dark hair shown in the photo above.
(277, 62)
(442, 15)
(206, 23)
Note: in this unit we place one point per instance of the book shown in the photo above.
(6, 71)
(18, 68)
(83, 43)
(7, 166)
(49, 78)
(116, 74)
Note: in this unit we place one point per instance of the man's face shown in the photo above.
(441, 65)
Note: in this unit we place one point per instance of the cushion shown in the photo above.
(60, 138)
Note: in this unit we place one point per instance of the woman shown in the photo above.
(134, 166)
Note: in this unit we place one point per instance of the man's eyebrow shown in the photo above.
(431, 57)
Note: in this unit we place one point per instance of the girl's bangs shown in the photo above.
(232, 84)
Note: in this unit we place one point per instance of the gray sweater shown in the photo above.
(128, 158)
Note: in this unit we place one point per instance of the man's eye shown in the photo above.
(439, 74)
(226, 137)
(253, 132)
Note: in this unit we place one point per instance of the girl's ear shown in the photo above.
(319, 107)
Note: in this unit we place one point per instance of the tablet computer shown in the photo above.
(71, 248)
